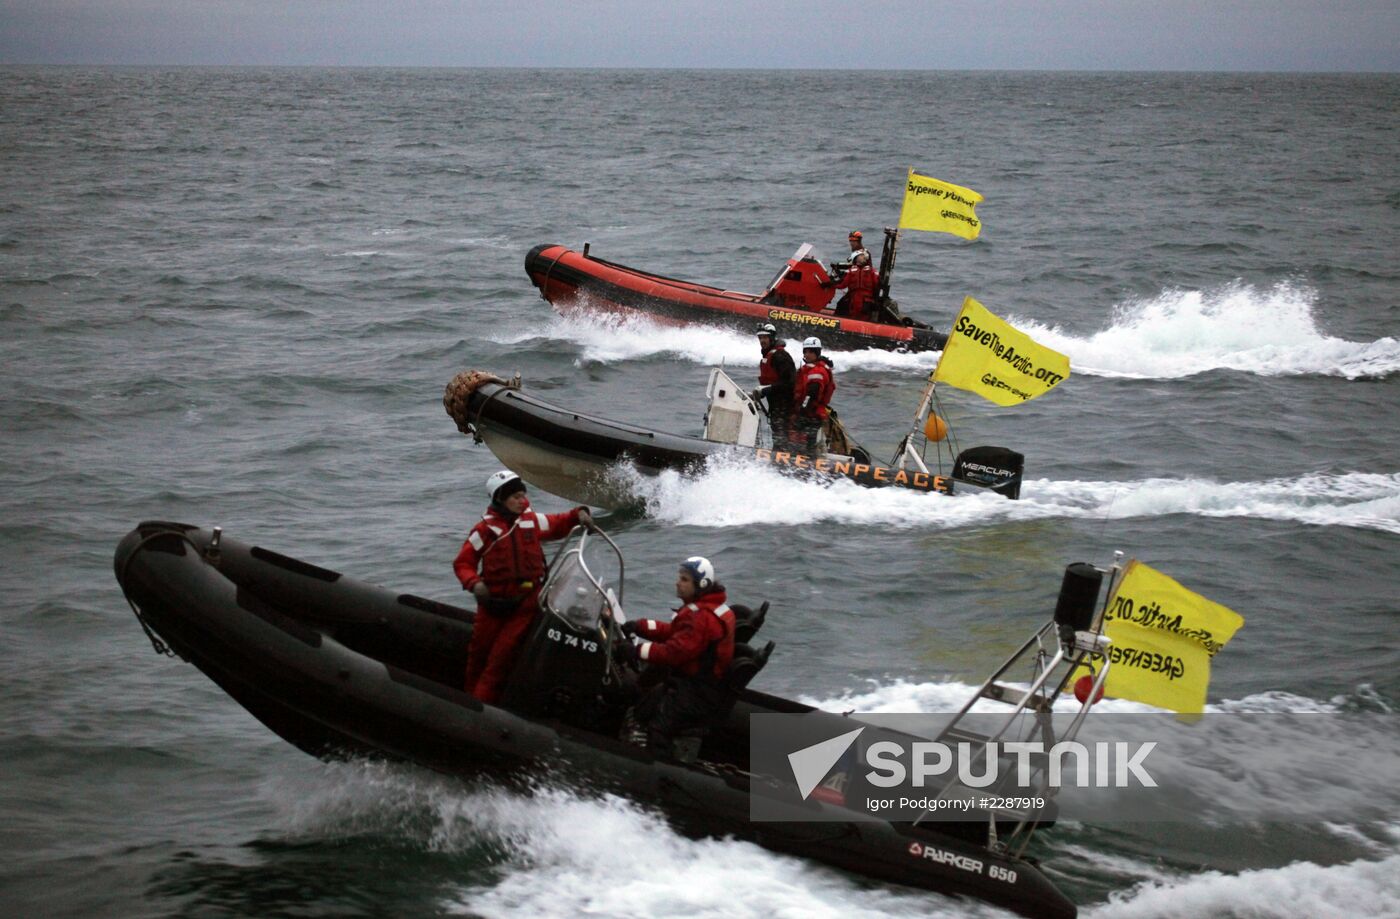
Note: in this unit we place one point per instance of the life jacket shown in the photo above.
(506, 553)
(820, 371)
(861, 282)
(698, 641)
(767, 373)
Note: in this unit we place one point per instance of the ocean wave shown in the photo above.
(1302, 889)
(548, 847)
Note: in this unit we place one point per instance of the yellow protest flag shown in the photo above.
(939, 207)
(1163, 638)
(990, 357)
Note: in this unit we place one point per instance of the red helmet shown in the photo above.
(855, 234)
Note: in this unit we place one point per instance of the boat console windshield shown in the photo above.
(574, 593)
(798, 285)
(565, 670)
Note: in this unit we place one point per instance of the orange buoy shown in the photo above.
(935, 428)
(1083, 685)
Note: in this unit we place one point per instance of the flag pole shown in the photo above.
(904, 453)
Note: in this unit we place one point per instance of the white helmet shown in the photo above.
(767, 329)
(700, 571)
(813, 342)
(498, 480)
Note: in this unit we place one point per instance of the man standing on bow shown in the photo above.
(503, 566)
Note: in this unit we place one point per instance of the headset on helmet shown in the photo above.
(767, 329)
(813, 343)
(498, 480)
(700, 571)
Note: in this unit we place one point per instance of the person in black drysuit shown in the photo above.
(776, 376)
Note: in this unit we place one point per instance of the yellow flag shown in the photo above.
(939, 207)
(1163, 638)
(990, 357)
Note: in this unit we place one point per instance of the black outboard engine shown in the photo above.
(1079, 592)
(564, 670)
(996, 468)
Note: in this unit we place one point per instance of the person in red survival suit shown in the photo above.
(860, 284)
(503, 566)
(811, 395)
(776, 376)
(695, 649)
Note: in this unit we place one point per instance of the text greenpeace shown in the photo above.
(992, 341)
(999, 383)
(803, 318)
(982, 765)
(1168, 665)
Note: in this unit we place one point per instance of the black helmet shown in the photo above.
(768, 329)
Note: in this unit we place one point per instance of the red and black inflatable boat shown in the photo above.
(795, 301)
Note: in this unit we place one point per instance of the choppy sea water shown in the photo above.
(233, 297)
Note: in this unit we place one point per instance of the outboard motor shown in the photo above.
(798, 286)
(564, 670)
(1079, 592)
(996, 468)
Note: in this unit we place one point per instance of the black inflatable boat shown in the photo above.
(343, 668)
(576, 455)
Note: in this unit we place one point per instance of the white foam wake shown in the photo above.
(734, 492)
(610, 338)
(559, 853)
(1301, 890)
(1270, 332)
(901, 696)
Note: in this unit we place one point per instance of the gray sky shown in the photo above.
(1287, 35)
